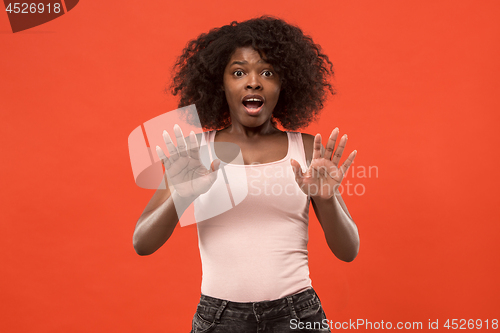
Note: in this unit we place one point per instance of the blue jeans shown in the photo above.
(301, 312)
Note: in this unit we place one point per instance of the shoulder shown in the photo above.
(199, 136)
(308, 141)
(204, 135)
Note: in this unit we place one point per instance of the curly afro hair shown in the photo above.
(303, 69)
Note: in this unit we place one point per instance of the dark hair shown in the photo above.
(304, 71)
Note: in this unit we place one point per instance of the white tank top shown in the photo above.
(256, 250)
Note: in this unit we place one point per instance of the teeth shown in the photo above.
(253, 100)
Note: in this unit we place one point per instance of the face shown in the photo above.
(252, 88)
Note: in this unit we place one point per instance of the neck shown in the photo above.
(240, 130)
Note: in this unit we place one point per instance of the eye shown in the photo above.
(267, 73)
(238, 73)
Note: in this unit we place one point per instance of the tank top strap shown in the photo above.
(207, 137)
(206, 148)
(296, 147)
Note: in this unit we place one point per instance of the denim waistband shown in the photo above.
(257, 311)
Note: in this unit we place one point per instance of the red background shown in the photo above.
(418, 88)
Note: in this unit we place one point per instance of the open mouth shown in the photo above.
(253, 103)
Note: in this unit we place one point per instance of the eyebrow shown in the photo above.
(244, 62)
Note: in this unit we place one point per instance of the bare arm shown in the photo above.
(189, 179)
(341, 233)
(158, 220)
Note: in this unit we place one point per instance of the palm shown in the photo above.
(184, 170)
(324, 176)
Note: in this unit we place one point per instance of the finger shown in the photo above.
(181, 142)
(297, 170)
(345, 166)
(164, 159)
(193, 147)
(172, 150)
(339, 150)
(330, 145)
(317, 146)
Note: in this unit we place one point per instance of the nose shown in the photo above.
(253, 82)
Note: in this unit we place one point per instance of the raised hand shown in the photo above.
(183, 167)
(324, 176)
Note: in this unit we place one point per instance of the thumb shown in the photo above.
(215, 165)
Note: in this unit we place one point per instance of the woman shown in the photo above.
(244, 79)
